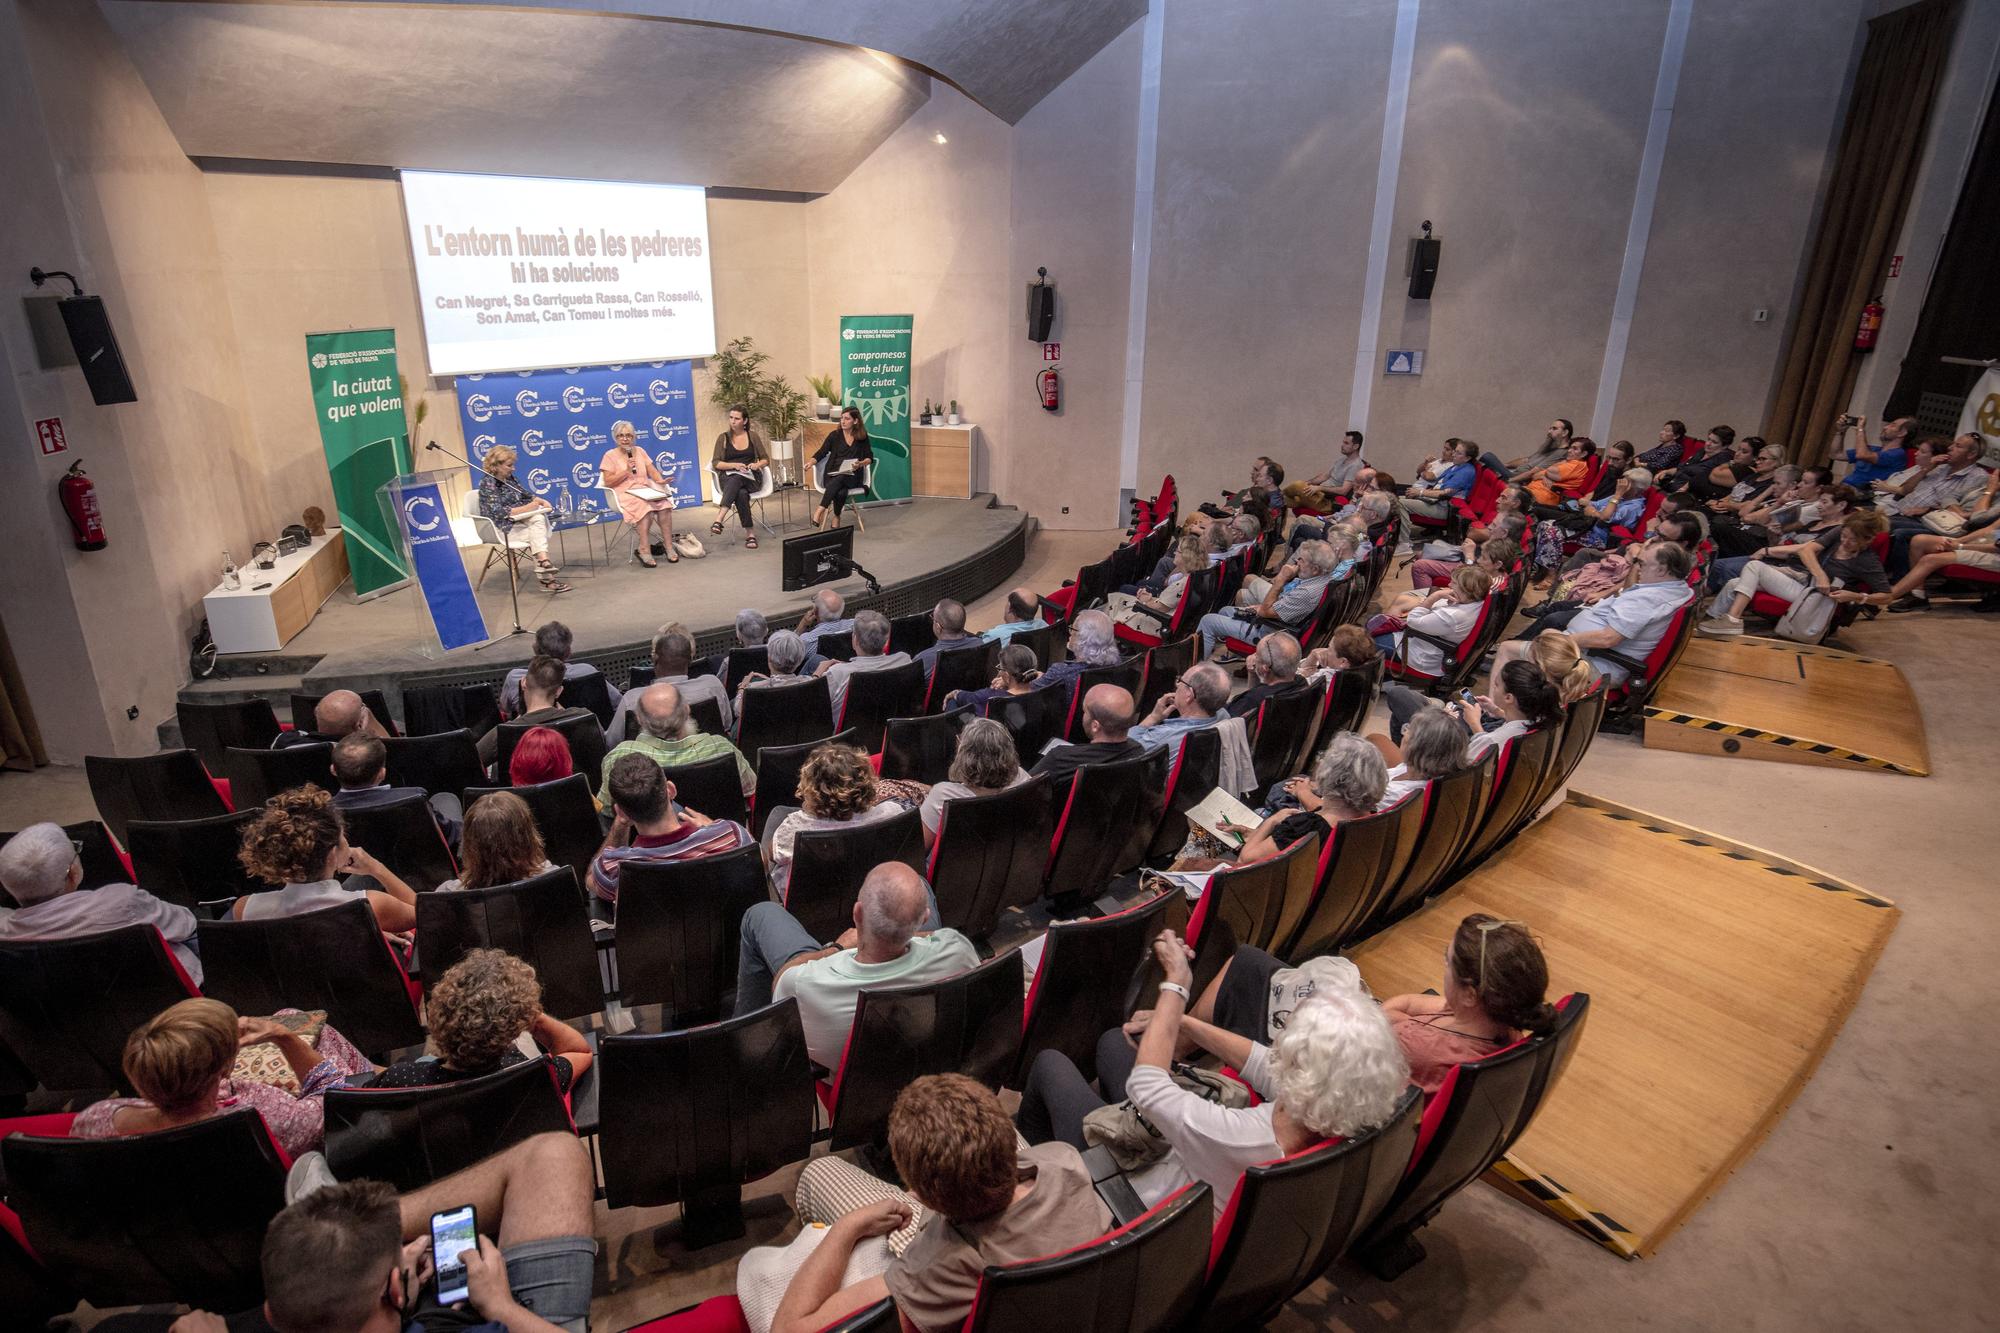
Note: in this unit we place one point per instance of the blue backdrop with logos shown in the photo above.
(559, 422)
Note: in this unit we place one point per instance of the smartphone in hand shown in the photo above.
(452, 1233)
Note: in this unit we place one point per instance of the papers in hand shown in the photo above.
(648, 493)
(849, 467)
(1219, 808)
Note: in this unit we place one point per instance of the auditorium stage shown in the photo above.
(920, 552)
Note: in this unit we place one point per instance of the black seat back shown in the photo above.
(781, 715)
(712, 787)
(1284, 725)
(968, 1024)
(566, 816)
(429, 709)
(541, 920)
(210, 728)
(441, 761)
(1081, 984)
(1474, 1118)
(969, 667)
(585, 734)
(174, 1216)
(593, 692)
(989, 855)
(1093, 585)
(873, 697)
(410, 1137)
(1453, 806)
(192, 861)
(911, 633)
(1359, 863)
(101, 863)
(828, 866)
(333, 959)
(1352, 695)
(255, 776)
(778, 769)
(1164, 666)
(693, 1114)
(1034, 718)
(678, 928)
(1128, 675)
(1196, 771)
(1290, 1219)
(834, 647)
(1580, 723)
(169, 785)
(1524, 766)
(67, 1006)
(403, 835)
(1095, 827)
(375, 701)
(922, 747)
(1141, 1278)
(1253, 898)
(1043, 641)
(741, 662)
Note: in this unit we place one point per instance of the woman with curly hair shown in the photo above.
(179, 1061)
(1333, 1071)
(498, 845)
(299, 841)
(837, 789)
(477, 1011)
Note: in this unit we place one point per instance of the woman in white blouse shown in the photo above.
(985, 762)
(299, 842)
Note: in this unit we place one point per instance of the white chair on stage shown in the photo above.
(473, 529)
(764, 491)
(853, 498)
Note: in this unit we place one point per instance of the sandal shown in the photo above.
(544, 565)
(644, 559)
(715, 528)
(750, 541)
(556, 585)
(673, 556)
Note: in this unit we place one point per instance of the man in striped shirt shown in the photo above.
(648, 826)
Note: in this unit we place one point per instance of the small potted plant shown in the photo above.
(925, 418)
(952, 420)
(826, 395)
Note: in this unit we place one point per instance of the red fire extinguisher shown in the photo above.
(1050, 385)
(1871, 326)
(79, 501)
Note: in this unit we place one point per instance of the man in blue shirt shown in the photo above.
(1024, 612)
(1866, 464)
(828, 615)
(1196, 701)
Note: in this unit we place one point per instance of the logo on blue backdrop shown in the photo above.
(618, 395)
(659, 392)
(528, 404)
(479, 407)
(667, 463)
(572, 398)
(579, 436)
(439, 569)
(583, 474)
(424, 502)
(586, 402)
(538, 479)
(481, 443)
(663, 428)
(534, 442)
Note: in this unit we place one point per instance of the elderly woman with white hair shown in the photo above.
(1333, 1071)
(785, 654)
(41, 869)
(1347, 783)
(984, 764)
(1144, 612)
(644, 496)
(1093, 642)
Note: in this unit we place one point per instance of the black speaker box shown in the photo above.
(97, 350)
(1041, 310)
(1424, 254)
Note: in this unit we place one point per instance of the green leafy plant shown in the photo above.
(824, 386)
(740, 380)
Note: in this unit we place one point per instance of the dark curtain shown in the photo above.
(1873, 171)
(20, 738)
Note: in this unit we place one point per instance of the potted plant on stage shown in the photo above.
(827, 395)
(952, 420)
(772, 402)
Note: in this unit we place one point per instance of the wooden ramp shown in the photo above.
(1794, 703)
(1718, 975)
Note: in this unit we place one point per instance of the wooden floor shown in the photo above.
(1718, 975)
(1755, 698)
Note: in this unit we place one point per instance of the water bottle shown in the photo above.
(568, 505)
(230, 578)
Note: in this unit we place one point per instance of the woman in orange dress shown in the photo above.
(1550, 486)
(627, 467)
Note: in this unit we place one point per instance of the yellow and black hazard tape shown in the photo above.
(1549, 1195)
(1735, 851)
(1779, 738)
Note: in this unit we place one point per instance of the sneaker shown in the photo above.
(1720, 626)
(1910, 601)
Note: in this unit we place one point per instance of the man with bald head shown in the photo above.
(896, 939)
(339, 714)
(1108, 714)
(1024, 612)
(667, 736)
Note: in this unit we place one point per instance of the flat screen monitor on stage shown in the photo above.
(818, 557)
(524, 272)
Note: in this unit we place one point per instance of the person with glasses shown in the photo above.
(41, 867)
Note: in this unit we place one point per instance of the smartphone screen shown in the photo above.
(451, 1233)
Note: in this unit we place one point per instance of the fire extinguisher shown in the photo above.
(79, 501)
(1871, 326)
(1050, 385)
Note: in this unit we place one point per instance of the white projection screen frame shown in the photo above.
(531, 272)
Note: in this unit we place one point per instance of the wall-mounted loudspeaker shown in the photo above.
(1041, 307)
(97, 349)
(1425, 251)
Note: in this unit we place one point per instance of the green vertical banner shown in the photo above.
(875, 377)
(358, 402)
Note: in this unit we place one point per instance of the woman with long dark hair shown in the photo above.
(847, 452)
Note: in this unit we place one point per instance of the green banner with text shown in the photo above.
(358, 402)
(875, 377)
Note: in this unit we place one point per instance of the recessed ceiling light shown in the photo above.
(939, 138)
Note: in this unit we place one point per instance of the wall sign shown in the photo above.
(49, 433)
(1051, 351)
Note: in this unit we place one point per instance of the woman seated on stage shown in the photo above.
(1017, 673)
(1149, 614)
(985, 763)
(740, 460)
(483, 1004)
(785, 653)
(180, 1063)
(522, 518)
(627, 468)
(499, 844)
(299, 841)
(541, 755)
(846, 452)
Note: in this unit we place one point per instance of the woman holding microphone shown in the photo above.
(521, 517)
(847, 453)
(741, 455)
(643, 494)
